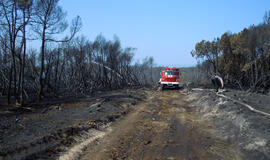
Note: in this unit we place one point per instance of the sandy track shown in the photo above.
(164, 127)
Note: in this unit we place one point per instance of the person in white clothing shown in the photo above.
(217, 82)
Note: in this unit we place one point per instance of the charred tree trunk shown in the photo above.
(56, 70)
(23, 62)
(10, 83)
(41, 75)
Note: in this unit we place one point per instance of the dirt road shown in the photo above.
(165, 126)
(138, 123)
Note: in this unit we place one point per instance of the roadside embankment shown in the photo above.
(249, 130)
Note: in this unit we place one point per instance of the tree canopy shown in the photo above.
(242, 59)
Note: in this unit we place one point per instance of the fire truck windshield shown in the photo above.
(171, 73)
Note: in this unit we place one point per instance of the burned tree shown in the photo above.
(49, 20)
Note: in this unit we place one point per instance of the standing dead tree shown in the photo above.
(63, 66)
(15, 16)
(48, 21)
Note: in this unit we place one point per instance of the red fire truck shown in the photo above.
(170, 77)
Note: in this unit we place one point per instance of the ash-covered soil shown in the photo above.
(249, 131)
(42, 132)
(170, 124)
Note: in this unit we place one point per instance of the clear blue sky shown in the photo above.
(165, 29)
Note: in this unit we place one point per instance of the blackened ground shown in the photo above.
(169, 124)
(249, 131)
(41, 132)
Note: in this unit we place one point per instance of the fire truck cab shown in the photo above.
(170, 77)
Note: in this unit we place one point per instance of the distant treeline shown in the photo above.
(72, 65)
(242, 59)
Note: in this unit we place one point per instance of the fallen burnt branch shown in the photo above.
(246, 105)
